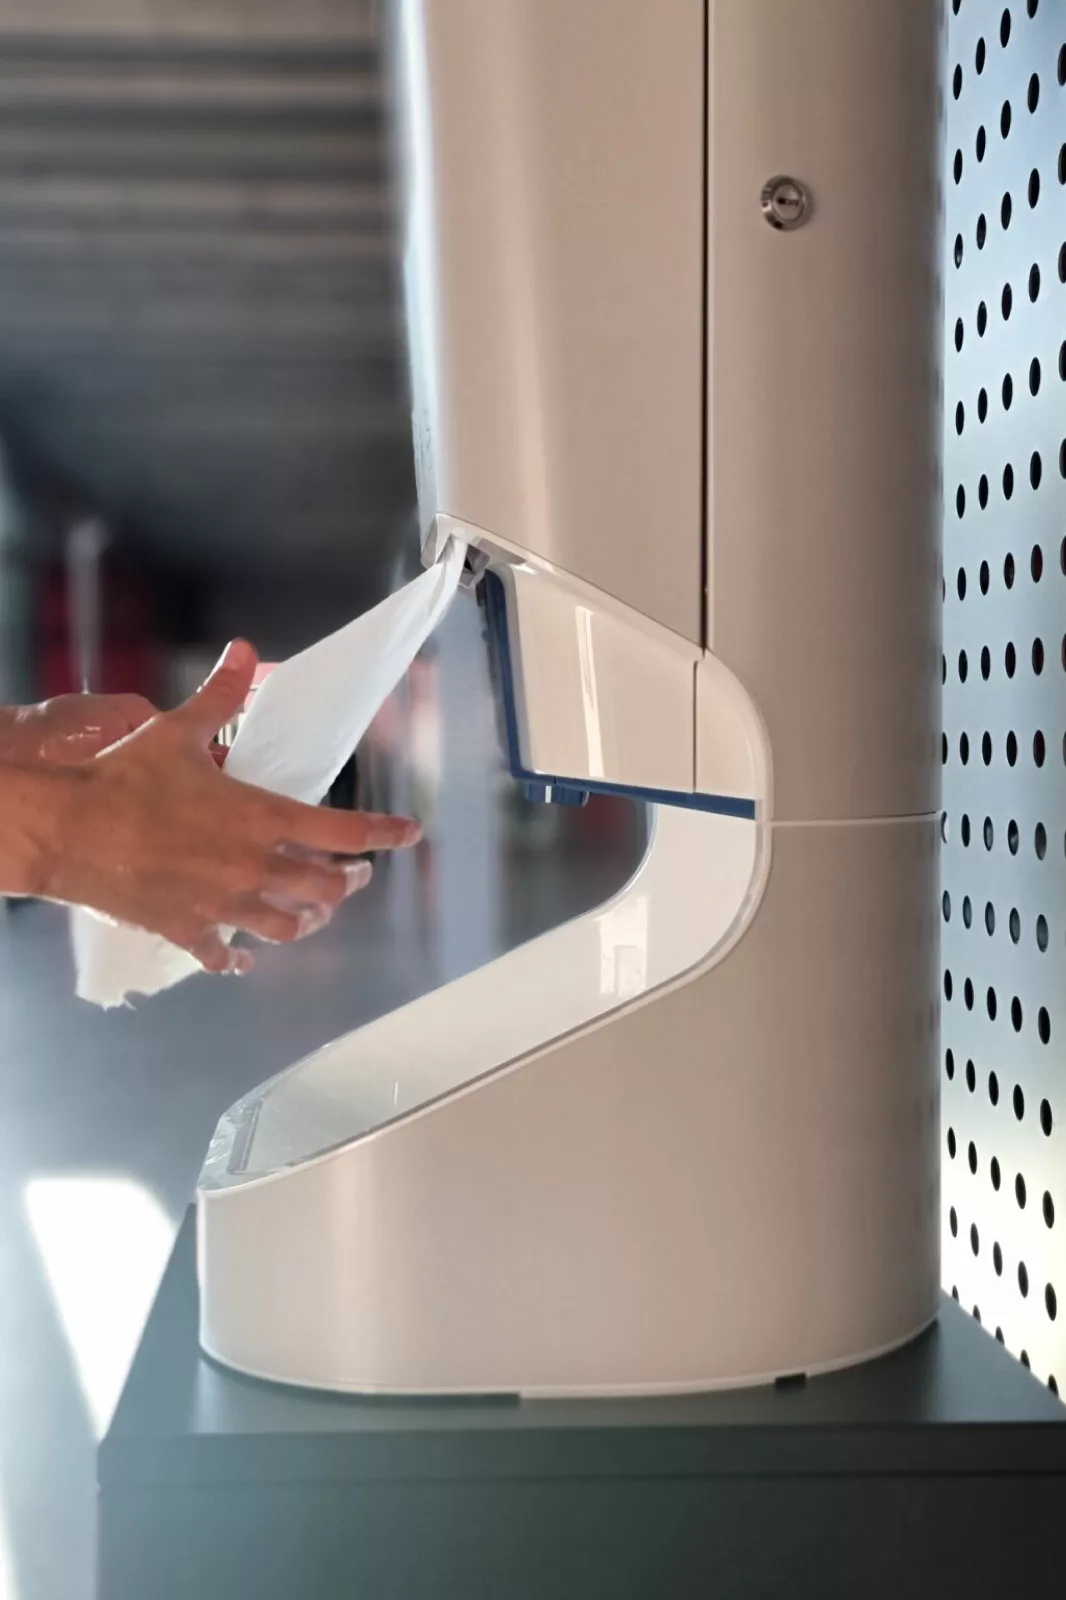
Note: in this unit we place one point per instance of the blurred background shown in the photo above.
(201, 335)
(204, 432)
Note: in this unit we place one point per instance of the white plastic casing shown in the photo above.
(689, 1139)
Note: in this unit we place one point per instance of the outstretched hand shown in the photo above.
(153, 834)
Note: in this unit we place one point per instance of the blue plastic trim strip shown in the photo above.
(572, 788)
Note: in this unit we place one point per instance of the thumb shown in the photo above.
(220, 699)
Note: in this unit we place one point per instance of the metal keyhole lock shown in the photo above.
(786, 203)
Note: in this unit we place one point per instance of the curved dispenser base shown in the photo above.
(732, 1179)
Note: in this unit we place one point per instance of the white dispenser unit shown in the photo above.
(675, 336)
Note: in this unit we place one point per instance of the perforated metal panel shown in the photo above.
(1004, 1030)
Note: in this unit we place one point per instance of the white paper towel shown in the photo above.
(301, 728)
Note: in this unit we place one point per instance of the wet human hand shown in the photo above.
(152, 833)
(70, 728)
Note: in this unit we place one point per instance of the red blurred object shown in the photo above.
(605, 816)
(130, 657)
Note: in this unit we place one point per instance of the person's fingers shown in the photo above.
(218, 754)
(69, 749)
(212, 954)
(341, 833)
(204, 943)
(307, 883)
(210, 950)
(270, 923)
(280, 923)
(136, 709)
(357, 874)
(222, 697)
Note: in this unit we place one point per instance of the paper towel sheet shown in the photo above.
(301, 728)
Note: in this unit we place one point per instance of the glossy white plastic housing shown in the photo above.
(710, 1179)
(690, 1139)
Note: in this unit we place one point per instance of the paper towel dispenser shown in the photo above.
(673, 303)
